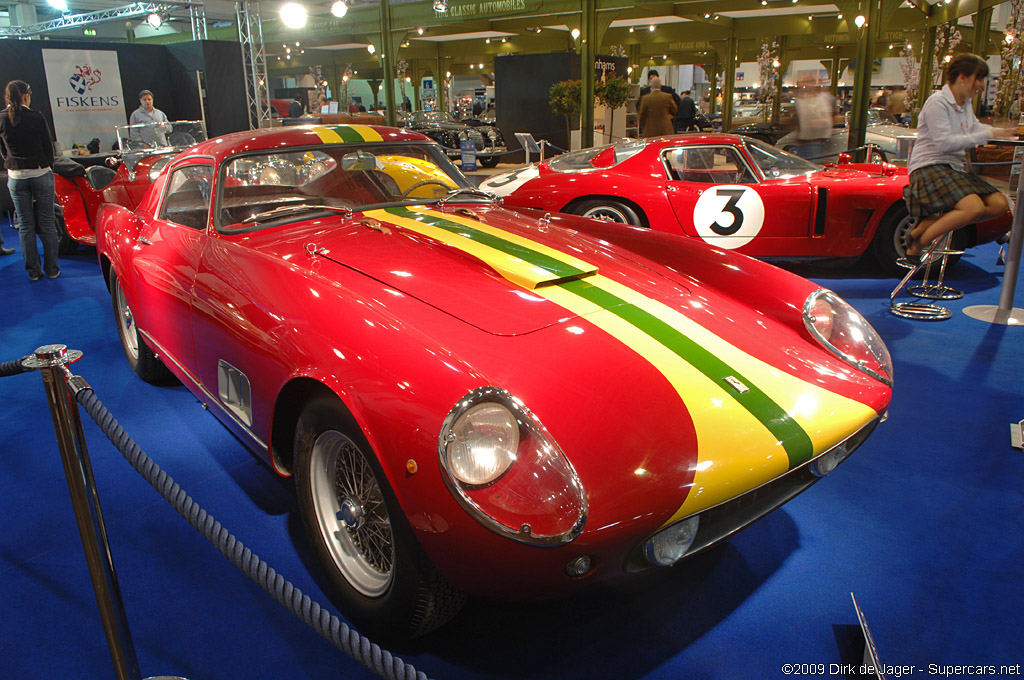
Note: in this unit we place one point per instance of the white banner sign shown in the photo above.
(85, 96)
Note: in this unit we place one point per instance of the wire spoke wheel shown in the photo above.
(352, 514)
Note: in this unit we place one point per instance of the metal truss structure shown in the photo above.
(254, 63)
(196, 10)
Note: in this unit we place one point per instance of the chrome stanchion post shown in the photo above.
(1005, 314)
(52, 361)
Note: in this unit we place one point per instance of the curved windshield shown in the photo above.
(274, 185)
(775, 163)
(147, 139)
(427, 117)
(597, 157)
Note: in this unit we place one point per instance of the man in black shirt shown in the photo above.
(686, 117)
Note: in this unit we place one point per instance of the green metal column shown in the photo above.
(588, 47)
(924, 83)
(388, 61)
(982, 26)
(729, 84)
(834, 73)
(442, 94)
(862, 76)
(713, 82)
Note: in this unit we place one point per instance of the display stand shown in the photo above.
(1005, 314)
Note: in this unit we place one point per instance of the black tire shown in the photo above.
(140, 357)
(65, 244)
(490, 162)
(383, 581)
(893, 237)
(607, 209)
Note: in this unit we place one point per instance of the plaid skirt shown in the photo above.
(935, 189)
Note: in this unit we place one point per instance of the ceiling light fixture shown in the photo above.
(370, 48)
(61, 5)
(859, 21)
(440, 5)
(419, 31)
(293, 15)
(155, 20)
(575, 33)
(651, 28)
(339, 8)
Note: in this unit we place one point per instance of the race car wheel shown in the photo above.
(385, 583)
(65, 244)
(140, 357)
(490, 162)
(613, 211)
(893, 237)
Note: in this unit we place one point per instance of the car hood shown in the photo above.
(480, 264)
(888, 130)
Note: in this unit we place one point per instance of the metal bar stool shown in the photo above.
(938, 251)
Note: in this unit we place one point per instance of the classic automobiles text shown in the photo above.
(897, 671)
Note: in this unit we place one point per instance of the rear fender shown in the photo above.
(71, 198)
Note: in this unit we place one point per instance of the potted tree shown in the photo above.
(565, 99)
(613, 94)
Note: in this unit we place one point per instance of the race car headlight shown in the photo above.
(504, 468)
(843, 331)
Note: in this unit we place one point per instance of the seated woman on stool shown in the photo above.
(943, 196)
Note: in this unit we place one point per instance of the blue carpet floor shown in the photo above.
(924, 524)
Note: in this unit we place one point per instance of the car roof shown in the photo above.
(301, 136)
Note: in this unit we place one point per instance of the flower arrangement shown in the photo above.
(946, 39)
(768, 63)
(1011, 74)
(911, 76)
(400, 68)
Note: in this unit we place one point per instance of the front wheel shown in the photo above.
(385, 583)
(893, 238)
(140, 357)
(489, 162)
(612, 211)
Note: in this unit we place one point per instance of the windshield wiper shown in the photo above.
(282, 210)
(479, 193)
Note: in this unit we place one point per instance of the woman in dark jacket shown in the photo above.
(26, 144)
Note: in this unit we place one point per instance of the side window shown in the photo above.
(187, 201)
(708, 165)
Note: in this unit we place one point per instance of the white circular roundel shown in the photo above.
(728, 216)
(507, 182)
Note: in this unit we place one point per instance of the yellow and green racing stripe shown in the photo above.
(343, 134)
(739, 404)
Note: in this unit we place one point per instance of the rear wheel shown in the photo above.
(489, 162)
(140, 357)
(385, 583)
(607, 209)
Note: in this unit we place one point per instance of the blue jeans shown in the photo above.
(36, 219)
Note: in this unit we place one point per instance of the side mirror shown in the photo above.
(358, 160)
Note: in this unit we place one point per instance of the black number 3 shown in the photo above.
(730, 207)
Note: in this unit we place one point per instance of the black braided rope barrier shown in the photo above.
(336, 631)
(9, 368)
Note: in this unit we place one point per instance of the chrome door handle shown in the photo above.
(145, 241)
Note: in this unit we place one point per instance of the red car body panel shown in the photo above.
(400, 326)
(835, 212)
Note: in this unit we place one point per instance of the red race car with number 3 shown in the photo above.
(472, 399)
(735, 193)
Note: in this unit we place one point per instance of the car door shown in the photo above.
(717, 197)
(169, 250)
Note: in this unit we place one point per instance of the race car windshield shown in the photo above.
(275, 186)
(777, 164)
(597, 157)
(147, 139)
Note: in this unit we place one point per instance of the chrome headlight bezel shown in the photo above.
(847, 324)
(533, 443)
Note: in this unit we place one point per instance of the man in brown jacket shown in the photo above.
(657, 108)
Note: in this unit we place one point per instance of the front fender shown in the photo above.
(117, 234)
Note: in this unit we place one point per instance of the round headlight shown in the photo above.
(669, 545)
(504, 468)
(482, 444)
(843, 331)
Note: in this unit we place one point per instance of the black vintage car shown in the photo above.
(450, 133)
